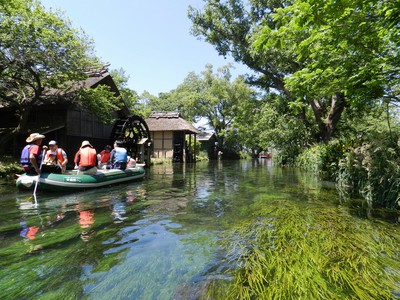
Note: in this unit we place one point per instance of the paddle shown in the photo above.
(37, 181)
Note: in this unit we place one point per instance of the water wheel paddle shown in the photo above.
(132, 131)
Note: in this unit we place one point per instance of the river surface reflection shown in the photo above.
(159, 238)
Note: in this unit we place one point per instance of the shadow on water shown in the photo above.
(187, 232)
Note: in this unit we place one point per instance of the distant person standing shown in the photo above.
(86, 159)
(32, 155)
(119, 156)
(60, 154)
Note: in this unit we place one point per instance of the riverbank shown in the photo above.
(9, 167)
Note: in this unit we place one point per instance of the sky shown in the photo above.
(149, 39)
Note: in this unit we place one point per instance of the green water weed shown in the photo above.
(315, 253)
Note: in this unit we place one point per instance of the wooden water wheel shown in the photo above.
(135, 135)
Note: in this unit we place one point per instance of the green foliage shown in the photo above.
(214, 97)
(160, 161)
(164, 102)
(323, 57)
(101, 101)
(342, 49)
(337, 49)
(229, 26)
(280, 130)
(202, 156)
(193, 146)
(322, 159)
(372, 170)
(39, 50)
(245, 155)
(7, 169)
(128, 96)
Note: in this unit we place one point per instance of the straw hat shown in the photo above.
(34, 137)
(86, 143)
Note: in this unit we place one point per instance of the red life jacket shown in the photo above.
(104, 156)
(88, 157)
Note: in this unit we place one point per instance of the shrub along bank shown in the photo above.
(9, 167)
(370, 169)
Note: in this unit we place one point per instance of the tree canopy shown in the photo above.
(216, 98)
(40, 51)
(323, 57)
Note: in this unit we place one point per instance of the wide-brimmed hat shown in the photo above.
(34, 137)
(86, 143)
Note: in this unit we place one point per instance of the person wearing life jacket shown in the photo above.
(32, 155)
(61, 156)
(51, 163)
(131, 163)
(104, 158)
(86, 159)
(119, 156)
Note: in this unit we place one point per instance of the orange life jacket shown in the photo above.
(88, 157)
(60, 157)
(104, 156)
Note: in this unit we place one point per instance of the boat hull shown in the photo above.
(73, 181)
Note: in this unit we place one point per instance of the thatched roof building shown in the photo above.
(168, 131)
(169, 121)
(61, 118)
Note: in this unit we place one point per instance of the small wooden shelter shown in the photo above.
(208, 143)
(171, 136)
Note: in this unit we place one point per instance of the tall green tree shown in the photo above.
(228, 26)
(217, 99)
(128, 96)
(345, 51)
(40, 51)
(162, 102)
(322, 56)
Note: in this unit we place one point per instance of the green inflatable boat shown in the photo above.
(72, 181)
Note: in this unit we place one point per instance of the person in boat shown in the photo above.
(86, 159)
(32, 154)
(51, 163)
(61, 155)
(104, 158)
(119, 156)
(131, 163)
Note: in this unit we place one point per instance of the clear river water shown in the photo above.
(184, 231)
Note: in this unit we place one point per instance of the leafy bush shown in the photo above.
(202, 155)
(322, 158)
(372, 170)
(8, 169)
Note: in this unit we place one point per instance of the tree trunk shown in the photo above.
(327, 121)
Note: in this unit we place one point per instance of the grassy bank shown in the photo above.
(9, 167)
